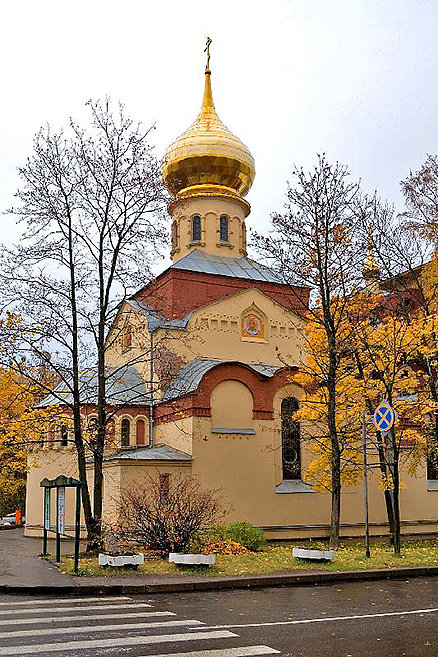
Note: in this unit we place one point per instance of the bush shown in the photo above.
(164, 514)
(239, 532)
(247, 535)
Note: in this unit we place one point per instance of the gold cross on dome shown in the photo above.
(207, 50)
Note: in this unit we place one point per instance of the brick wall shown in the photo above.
(176, 293)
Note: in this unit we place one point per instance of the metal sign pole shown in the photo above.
(365, 486)
(58, 535)
(46, 516)
(77, 527)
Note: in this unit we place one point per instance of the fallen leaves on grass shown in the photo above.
(225, 547)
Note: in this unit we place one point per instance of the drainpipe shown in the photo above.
(151, 390)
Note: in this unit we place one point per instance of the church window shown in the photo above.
(290, 439)
(243, 236)
(164, 486)
(432, 467)
(432, 449)
(93, 426)
(110, 431)
(174, 235)
(64, 435)
(51, 437)
(127, 337)
(223, 229)
(125, 432)
(196, 228)
(140, 432)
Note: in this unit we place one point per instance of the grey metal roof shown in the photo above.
(124, 385)
(155, 453)
(205, 263)
(155, 320)
(189, 377)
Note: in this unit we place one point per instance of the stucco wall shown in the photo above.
(49, 464)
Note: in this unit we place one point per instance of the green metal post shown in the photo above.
(77, 526)
(365, 486)
(58, 535)
(46, 517)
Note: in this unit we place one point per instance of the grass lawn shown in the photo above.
(277, 558)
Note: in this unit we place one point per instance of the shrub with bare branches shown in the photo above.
(165, 512)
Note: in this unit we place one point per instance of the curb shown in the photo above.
(223, 583)
(4, 527)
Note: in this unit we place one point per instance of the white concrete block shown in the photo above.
(317, 555)
(120, 561)
(192, 559)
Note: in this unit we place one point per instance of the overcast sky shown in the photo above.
(355, 79)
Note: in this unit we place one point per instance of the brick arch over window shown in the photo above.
(197, 404)
(262, 388)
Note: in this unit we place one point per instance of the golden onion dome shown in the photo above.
(371, 269)
(207, 158)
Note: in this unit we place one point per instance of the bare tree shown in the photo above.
(92, 200)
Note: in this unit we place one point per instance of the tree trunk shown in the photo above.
(396, 498)
(77, 419)
(336, 454)
(393, 463)
(387, 493)
(335, 517)
(82, 470)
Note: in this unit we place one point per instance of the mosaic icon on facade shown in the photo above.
(252, 326)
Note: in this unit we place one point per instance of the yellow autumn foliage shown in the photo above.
(375, 349)
(20, 430)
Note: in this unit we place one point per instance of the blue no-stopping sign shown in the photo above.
(384, 417)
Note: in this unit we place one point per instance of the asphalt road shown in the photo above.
(384, 618)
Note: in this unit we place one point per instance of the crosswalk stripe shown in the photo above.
(245, 651)
(99, 628)
(30, 649)
(62, 609)
(59, 619)
(61, 601)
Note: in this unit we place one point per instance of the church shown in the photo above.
(205, 356)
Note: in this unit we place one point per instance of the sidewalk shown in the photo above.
(22, 572)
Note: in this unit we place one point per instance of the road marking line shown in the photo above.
(325, 619)
(99, 628)
(58, 619)
(61, 610)
(111, 643)
(62, 601)
(245, 651)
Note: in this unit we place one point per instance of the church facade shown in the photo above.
(205, 356)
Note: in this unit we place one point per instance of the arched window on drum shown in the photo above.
(196, 228)
(223, 229)
(290, 439)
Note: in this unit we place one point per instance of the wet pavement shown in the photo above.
(354, 619)
(19, 562)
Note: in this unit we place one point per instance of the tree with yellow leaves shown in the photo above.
(406, 247)
(386, 368)
(378, 362)
(21, 427)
